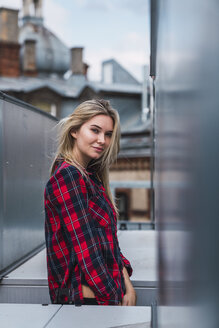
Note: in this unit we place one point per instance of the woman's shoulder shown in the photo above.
(65, 173)
(66, 169)
(64, 177)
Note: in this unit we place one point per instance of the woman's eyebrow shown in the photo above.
(97, 126)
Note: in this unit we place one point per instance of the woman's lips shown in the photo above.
(98, 149)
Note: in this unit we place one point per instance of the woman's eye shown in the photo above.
(95, 130)
(109, 134)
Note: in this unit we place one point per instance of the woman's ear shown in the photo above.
(74, 134)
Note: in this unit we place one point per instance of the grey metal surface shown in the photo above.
(187, 133)
(32, 272)
(146, 295)
(26, 316)
(100, 317)
(1, 183)
(140, 248)
(27, 142)
(39, 294)
(27, 84)
(28, 283)
(38, 316)
(135, 325)
(130, 184)
(24, 294)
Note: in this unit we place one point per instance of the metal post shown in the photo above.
(152, 135)
(154, 315)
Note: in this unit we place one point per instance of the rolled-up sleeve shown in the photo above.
(70, 198)
(127, 264)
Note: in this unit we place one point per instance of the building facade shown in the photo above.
(38, 68)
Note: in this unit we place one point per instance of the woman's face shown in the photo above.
(92, 139)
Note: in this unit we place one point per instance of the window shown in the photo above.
(123, 205)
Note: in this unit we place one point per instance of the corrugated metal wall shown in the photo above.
(187, 161)
(26, 144)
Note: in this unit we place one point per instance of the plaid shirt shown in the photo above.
(81, 239)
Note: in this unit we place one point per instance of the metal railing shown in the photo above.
(127, 225)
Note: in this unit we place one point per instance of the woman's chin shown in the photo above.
(96, 156)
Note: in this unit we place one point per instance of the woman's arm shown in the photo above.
(130, 297)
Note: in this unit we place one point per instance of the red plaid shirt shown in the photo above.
(81, 239)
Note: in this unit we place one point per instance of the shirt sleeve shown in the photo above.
(125, 261)
(126, 264)
(71, 201)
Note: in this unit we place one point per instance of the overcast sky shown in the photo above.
(105, 28)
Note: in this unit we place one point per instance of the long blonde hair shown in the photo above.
(84, 112)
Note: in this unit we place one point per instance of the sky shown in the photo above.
(106, 29)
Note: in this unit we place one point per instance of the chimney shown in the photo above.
(33, 8)
(32, 11)
(77, 66)
(9, 47)
(9, 25)
(29, 58)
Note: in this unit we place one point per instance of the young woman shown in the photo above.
(85, 264)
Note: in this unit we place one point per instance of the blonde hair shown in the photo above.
(84, 112)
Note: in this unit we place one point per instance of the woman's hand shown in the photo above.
(130, 297)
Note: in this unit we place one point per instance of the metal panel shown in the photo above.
(187, 120)
(39, 294)
(29, 315)
(100, 317)
(153, 40)
(26, 145)
(140, 249)
(24, 294)
(146, 296)
(1, 185)
(26, 316)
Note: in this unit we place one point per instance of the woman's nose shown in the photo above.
(101, 138)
